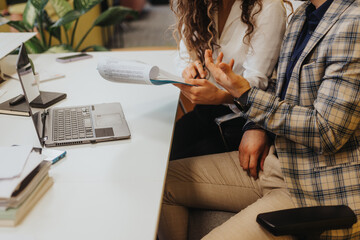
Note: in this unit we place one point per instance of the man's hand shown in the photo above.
(253, 149)
(236, 85)
(204, 92)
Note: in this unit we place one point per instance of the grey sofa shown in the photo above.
(202, 222)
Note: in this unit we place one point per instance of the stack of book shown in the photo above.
(20, 193)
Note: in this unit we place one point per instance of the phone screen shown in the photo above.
(72, 58)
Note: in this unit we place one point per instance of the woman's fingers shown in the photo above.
(209, 62)
(231, 63)
(219, 58)
(193, 71)
(200, 70)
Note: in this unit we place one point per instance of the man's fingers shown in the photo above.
(253, 166)
(263, 157)
(262, 162)
(241, 159)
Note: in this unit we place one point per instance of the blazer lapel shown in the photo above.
(329, 19)
(291, 36)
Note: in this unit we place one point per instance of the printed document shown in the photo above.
(117, 70)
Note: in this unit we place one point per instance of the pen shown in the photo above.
(197, 74)
(50, 77)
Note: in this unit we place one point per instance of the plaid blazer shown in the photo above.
(318, 123)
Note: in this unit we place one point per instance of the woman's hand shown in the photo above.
(194, 70)
(223, 75)
(204, 92)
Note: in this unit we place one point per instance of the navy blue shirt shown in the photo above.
(313, 17)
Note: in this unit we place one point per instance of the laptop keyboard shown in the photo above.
(72, 123)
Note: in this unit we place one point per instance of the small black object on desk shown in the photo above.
(46, 99)
(17, 100)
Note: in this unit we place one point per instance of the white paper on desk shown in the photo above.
(10, 41)
(8, 186)
(12, 160)
(8, 69)
(15, 236)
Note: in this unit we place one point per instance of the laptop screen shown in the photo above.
(26, 74)
(30, 88)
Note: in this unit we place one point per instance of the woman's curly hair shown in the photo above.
(196, 22)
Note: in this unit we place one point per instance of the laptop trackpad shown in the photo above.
(104, 124)
(104, 132)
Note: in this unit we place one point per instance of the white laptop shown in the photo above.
(71, 125)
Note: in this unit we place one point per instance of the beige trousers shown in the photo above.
(218, 182)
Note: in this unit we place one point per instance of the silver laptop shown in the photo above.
(71, 125)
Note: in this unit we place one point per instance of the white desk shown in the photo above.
(109, 190)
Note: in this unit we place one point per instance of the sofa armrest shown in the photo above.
(307, 220)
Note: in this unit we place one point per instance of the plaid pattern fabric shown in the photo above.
(318, 123)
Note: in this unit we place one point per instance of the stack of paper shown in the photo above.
(11, 40)
(23, 180)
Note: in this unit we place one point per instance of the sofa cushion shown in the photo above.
(201, 222)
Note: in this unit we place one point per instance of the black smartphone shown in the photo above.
(73, 58)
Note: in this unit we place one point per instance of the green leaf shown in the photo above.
(39, 4)
(60, 49)
(85, 5)
(95, 48)
(29, 15)
(47, 23)
(34, 45)
(18, 25)
(67, 18)
(61, 7)
(114, 15)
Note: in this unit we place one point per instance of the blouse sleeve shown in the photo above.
(265, 44)
(182, 59)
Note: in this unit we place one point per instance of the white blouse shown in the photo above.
(255, 62)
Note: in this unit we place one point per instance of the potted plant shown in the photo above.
(35, 18)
